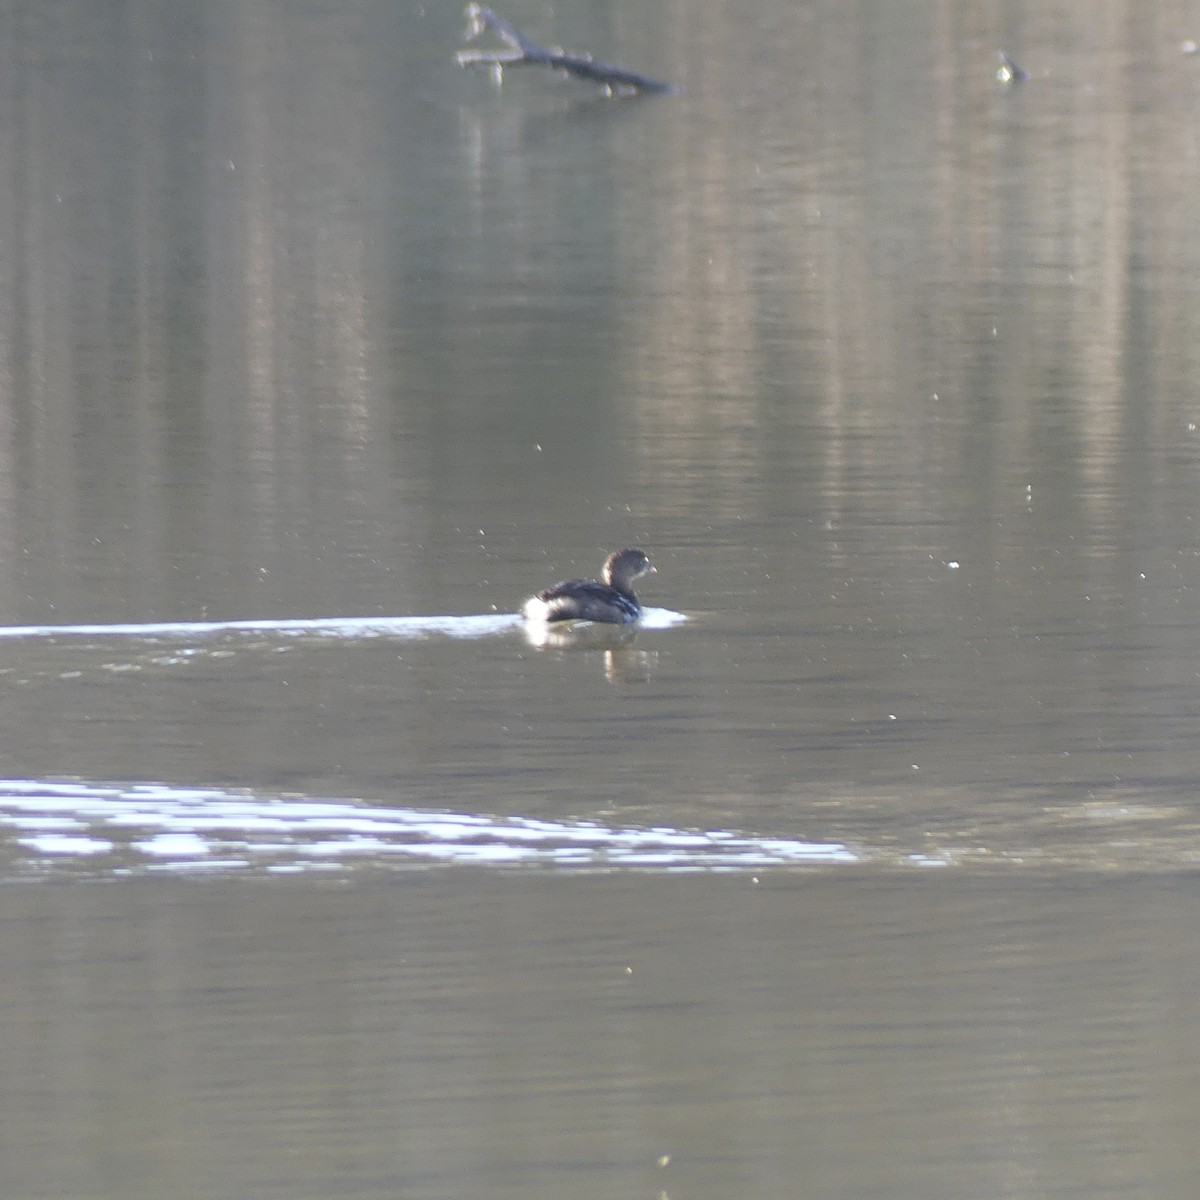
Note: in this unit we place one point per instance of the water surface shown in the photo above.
(318, 355)
(466, 1033)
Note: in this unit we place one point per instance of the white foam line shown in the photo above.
(347, 627)
(478, 626)
(58, 820)
(61, 844)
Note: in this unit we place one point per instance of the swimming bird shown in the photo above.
(609, 599)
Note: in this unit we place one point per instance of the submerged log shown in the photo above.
(522, 52)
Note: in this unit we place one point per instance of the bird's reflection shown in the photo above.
(623, 661)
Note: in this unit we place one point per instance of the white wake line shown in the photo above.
(481, 626)
(166, 827)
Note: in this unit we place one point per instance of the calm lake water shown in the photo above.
(869, 862)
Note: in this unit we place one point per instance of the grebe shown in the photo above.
(609, 599)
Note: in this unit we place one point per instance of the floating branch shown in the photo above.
(522, 52)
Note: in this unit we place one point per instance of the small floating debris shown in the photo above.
(1189, 46)
(523, 52)
(1010, 71)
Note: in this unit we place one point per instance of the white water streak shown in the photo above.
(350, 628)
(122, 830)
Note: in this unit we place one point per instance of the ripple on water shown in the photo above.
(114, 830)
(349, 628)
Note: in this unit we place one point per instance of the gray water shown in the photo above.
(319, 354)
(450, 1034)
